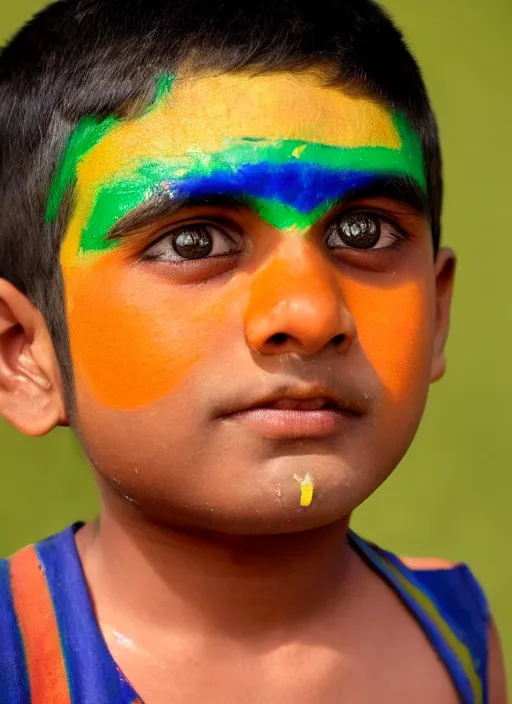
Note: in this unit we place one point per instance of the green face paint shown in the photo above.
(290, 183)
(89, 132)
(284, 190)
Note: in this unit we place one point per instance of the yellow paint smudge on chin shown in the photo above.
(306, 489)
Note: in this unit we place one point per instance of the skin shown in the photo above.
(124, 323)
(234, 542)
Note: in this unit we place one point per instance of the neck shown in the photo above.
(242, 586)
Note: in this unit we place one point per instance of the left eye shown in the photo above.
(191, 242)
(360, 231)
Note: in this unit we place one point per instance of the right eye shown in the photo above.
(191, 242)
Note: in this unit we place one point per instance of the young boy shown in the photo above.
(220, 265)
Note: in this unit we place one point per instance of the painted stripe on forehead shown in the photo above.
(289, 183)
(302, 186)
(90, 131)
(288, 195)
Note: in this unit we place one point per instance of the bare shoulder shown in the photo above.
(428, 563)
(496, 668)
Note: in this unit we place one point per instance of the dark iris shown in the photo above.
(193, 244)
(359, 230)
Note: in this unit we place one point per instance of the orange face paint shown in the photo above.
(130, 341)
(135, 335)
(300, 290)
(391, 329)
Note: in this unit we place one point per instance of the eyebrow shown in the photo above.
(164, 205)
(400, 189)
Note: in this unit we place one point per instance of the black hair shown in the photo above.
(102, 57)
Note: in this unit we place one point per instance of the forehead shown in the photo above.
(285, 139)
(200, 113)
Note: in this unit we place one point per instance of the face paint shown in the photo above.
(391, 329)
(390, 318)
(290, 182)
(128, 338)
(286, 145)
(306, 489)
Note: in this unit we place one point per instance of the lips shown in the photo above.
(293, 404)
(299, 412)
(298, 397)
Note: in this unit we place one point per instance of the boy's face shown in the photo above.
(242, 245)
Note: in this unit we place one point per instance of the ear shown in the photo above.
(31, 395)
(445, 273)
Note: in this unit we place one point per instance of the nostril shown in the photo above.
(279, 339)
(338, 340)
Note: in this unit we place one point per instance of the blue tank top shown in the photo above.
(52, 650)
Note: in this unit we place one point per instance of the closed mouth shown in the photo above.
(295, 404)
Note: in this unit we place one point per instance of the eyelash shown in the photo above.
(191, 226)
(400, 235)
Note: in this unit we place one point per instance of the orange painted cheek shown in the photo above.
(394, 327)
(133, 336)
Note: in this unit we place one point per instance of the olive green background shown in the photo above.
(451, 495)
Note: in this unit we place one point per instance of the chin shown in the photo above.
(275, 509)
(272, 520)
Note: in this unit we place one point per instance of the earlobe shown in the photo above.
(31, 397)
(445, 274)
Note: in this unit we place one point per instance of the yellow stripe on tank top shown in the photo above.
(459, 648)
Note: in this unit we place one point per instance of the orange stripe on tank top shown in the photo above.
(38, 624)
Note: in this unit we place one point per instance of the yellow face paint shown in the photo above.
(306, 489)
(134, 337)
(280, 139)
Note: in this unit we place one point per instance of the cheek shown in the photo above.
(131, 342)
(395, 328)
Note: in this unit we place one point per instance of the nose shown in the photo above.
(296, 305)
